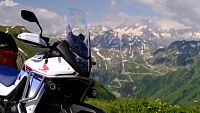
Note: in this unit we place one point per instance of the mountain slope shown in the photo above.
(179, 53)
(174, 80)
(182, 85)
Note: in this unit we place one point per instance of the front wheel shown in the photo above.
(85, 108)
(64, 111)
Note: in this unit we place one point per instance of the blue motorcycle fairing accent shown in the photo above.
(8, 75)
(34, 84)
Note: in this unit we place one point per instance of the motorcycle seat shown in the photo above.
(8, 75)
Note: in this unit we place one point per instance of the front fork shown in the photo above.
(32, 93)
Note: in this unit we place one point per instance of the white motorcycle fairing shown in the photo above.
(55, 66)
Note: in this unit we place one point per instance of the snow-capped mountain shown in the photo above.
(127, 52)
(143, 36)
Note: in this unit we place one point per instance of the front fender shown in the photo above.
(82, 107)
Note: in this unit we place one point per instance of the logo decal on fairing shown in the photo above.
(27, 68)
(45, 68)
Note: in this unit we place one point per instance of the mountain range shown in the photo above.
(142, 60)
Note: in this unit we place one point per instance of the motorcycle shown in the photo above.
(56, 81)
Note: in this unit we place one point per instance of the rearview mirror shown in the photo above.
(32, 38)
(29, 16)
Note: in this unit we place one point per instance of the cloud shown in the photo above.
(51, 23)
(116, 16)
(168, 24)
(8, 3)
(113, 6)
(184, 11)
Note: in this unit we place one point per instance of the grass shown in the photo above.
(142, 105)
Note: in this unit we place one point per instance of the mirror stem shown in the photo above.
(40, 28)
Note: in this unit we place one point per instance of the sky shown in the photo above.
(178, 14)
